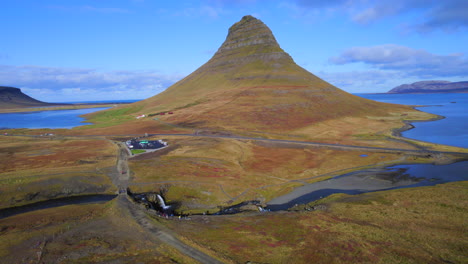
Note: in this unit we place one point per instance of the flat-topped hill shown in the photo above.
(11, 97)
(432, 87)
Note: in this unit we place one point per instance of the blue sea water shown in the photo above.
(452, 130)
(53, 119)
(46, 119)
(103, 102)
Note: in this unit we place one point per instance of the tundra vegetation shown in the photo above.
(219, 155)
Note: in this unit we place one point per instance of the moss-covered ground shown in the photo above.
(93, 233)
(199, 174)
(422, 225)
(34, 168)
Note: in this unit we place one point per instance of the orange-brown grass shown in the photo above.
(19, 153)
(422, 225)
(276, 111)
(35, 168)
(95, 233)
(211, 172)
(130, 127)
(51, 108)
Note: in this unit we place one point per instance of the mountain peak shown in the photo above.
(250, 36)
(252, 84)
(247, 32)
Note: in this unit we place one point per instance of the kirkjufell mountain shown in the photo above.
(252, 84)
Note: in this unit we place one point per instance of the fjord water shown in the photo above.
(451, 130)
(46, 119)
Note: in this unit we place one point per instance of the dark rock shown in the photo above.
(11, 97)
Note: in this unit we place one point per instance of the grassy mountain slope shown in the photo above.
(251, 84)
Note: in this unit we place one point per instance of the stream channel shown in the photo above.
(371, 180)
(362, 181)
(82, 199)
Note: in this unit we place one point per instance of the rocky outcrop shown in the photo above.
(11, 97)
(432, 87)
(248, 41)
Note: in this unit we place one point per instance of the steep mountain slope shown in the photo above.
(432, 87)
(11, 97)
(251, 84)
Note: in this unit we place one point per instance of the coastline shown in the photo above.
(359, 181)
(397, 132)
(59, 107)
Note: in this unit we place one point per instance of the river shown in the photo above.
(377, 179)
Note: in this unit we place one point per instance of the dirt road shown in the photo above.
(139, 215)
(122, 167)
(319, 144)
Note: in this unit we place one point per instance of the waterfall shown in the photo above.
(162, 203)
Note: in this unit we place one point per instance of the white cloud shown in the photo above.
(58, 84)
(427, 15)
(364, 81)
(414, 62)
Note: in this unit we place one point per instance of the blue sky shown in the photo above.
(56, 50)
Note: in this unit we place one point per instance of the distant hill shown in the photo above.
(11, 97)
(432, 87)
(252, 84)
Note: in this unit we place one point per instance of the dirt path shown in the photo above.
(122, 167)
(420, 150)
(326, 145)
(158, 232)
(162, 234)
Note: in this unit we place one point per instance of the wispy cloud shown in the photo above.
(428, 15)
(378, 10)
(92, 9)
(321, 3)
(364, 81)
(201, 11)
(414, 62)
(450, 16)
(55, 82)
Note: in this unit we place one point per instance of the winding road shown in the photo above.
(144, 220)
(320, 144)
(158, 232)
(166, 236)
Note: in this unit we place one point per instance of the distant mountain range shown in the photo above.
(432, 87)
(11, 97)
